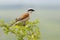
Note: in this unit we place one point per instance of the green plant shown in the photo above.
(29, 32)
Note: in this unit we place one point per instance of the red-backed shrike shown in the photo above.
(24, 17)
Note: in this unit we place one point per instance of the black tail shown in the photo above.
(13, 23)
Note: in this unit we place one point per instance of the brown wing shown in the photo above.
(25, 15)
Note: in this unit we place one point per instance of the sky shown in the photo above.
(24, 2)
(29, 3)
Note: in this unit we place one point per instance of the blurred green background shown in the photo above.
(47, 11)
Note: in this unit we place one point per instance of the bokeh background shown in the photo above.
(47, 11)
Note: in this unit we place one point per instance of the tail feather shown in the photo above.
(16, 22)
(13, 23)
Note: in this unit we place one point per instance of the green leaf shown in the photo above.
(30, 31)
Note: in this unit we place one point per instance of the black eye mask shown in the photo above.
(31, 10)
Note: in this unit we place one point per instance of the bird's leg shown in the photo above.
(24, 23)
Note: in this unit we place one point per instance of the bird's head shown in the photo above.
(30, 10)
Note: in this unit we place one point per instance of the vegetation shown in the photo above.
(29, 32)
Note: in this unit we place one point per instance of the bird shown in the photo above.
(24, 17)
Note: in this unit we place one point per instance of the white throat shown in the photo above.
(30, 12)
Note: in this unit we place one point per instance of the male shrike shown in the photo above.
(23, 18)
